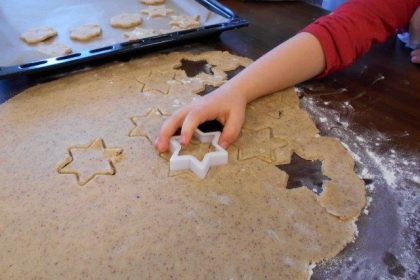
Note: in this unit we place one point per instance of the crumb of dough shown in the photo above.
(152, 2)
(36, 35)
(185, 21)
(157, 11)
(126, 20)
(140, 33)
(85, 32)
(54, 49)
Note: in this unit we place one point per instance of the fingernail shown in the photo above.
(183, 140)
(157, 142)
(224, 144)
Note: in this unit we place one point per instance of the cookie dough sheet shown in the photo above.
(17, 17)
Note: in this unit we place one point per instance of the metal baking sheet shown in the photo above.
(16, 17)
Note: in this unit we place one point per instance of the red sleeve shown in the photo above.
(350, 30)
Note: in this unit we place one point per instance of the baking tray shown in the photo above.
(18, 58)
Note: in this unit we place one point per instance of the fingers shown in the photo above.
(191, 122)
(168, 129)
(232, 129)
(415, 56)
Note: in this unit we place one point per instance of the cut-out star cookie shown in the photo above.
(157, 11)
(88, 161)
(259, 144)
(185, 22)
(147, 125)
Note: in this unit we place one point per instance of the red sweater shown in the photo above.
(350, 30)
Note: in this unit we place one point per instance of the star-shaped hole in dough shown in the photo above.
(147, 125)
(193, 68)
(157, 11)
(302, 172)
(88, 161)
(260, 144)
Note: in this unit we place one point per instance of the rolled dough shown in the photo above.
(131, 218)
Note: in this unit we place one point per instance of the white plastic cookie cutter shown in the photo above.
(180, 162)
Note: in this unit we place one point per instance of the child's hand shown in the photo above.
(226, 106)
(415, 56)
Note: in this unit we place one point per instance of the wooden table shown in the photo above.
(373, 107)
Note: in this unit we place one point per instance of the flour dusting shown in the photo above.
(389, 172)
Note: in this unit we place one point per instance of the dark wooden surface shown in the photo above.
(383, 89)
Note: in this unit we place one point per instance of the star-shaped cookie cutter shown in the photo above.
(179, 162)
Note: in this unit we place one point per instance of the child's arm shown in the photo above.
(298, 59)
(329, 44)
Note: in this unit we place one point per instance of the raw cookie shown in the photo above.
(152, 2)
(126, 20)
(85, 32)
(54, 49)
(157, 11)
(36, 35)
(139, 33)
(185, 21)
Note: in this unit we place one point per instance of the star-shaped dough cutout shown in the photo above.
(147, 125)
(88, 161)
(260, 144)
(185, 22)
(157, 11)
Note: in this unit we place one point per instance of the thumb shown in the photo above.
(232, 129)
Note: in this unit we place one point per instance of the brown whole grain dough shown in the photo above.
(84, 194)
(126, 20)
(36, 35)
(85, 32)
